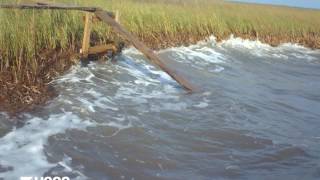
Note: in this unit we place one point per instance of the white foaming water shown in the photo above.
(76, 75)
(202, 53)
(244, 43)
(259, 49)
(194, 53)
(145, 75)
(144, 72)
(22, 149)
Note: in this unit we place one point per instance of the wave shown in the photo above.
(285, 51)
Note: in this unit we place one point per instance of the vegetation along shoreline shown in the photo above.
(37, 46)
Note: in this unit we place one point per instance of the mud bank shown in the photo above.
(24, 95)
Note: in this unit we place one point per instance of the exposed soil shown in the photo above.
(23, 96)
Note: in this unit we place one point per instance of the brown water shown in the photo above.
(256, 118)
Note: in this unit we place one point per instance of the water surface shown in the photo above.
(257, 117)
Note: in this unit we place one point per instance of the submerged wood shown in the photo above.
(155, 59)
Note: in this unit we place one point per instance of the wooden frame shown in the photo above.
(86, 50)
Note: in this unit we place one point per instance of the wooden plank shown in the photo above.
(52, 6)
(95, 19)
(86, 35)
(102, 49)
(47, 6)
(103, 15)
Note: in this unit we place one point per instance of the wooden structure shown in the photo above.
(108, 18)
(86, 50)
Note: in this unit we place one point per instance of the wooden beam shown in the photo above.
(95, 19)
(47, 6)
(103, 15)
(86, 35)
(52, 6)
(102, 49)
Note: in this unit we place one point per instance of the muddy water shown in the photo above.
(257, 117)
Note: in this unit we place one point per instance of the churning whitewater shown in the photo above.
(257, 117)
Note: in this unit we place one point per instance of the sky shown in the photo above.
(315, 4)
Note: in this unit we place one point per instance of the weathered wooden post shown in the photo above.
(117, 16)
(86, 35)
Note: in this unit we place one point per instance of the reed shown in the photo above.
(27, 37)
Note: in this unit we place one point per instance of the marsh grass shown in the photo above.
(26, 36)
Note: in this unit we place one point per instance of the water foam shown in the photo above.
(257, 48)
(203, 52)
(144, 73)
(22, 149)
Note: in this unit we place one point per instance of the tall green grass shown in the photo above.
(24, 34)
